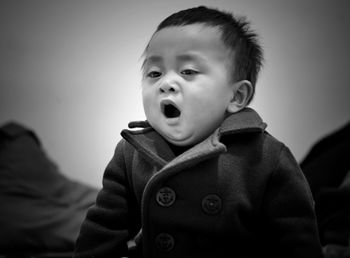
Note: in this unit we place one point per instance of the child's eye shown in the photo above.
(189, 72)
(154, 74)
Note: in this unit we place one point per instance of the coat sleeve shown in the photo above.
(289, 211)
(106, 228)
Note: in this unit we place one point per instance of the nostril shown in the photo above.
(164, 89)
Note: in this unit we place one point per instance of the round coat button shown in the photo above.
(211, 204)
(164, 242)
(166, 196)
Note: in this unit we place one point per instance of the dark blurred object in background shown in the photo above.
(41, 210)
(328, 161)
(327, 169)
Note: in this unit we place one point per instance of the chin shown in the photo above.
(182, 142)
(178, 141)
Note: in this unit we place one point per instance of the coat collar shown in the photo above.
(147, 141)
(247, 120)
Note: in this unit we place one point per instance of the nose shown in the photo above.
(169, 85)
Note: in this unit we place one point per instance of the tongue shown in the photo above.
(171, 111)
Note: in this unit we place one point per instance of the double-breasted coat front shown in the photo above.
(239, 193)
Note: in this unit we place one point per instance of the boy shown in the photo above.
(202, 178)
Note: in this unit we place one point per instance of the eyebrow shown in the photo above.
(191, 57)
(151, 59)
(181, 58)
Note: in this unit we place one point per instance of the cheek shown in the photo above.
(145, 98)
(212, 98)
(146, 93)
(149, 102)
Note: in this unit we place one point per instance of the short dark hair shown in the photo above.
(235, 33)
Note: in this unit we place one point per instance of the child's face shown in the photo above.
(186, 87)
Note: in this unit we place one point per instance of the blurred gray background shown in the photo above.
(70, 70)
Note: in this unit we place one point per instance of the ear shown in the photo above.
(242, 92)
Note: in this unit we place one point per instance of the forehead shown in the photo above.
(178, 41)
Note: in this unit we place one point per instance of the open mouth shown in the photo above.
(170, 110)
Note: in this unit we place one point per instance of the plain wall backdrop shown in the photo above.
(70, 70)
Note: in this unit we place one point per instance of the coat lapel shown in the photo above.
(148, 142)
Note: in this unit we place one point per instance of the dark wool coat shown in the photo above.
(239, 193)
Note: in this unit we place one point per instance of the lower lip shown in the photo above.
(172, 121)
